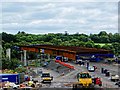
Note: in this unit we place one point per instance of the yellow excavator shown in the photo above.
(86, 81)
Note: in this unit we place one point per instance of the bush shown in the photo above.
(20, 70)
(10, 64)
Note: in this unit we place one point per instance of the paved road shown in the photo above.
(106, 82)
(66, 80)
(113, 68)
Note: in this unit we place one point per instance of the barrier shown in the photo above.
(64, 64)
(57, 61)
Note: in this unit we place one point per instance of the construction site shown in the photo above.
(71, 67)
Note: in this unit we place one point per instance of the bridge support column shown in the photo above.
(48, 56)
(25, 60)
(8, 53)
(62, 59)
(21, 57)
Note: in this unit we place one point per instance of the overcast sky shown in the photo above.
(58, 17)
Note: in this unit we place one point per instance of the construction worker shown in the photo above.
(87, 64)
(62, 73)
(30, 83)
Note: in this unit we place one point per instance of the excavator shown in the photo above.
(86, 81)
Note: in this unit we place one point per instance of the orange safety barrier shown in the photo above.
(64, 64)
(57, 61)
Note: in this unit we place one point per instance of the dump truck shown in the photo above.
(46, 77)
(86, 81)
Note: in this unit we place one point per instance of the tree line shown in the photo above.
(110, 41)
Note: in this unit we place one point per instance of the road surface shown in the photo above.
(68, 79)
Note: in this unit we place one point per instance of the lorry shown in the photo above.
(94, 57)
(86, 81)
(46, 77)
(14, 78)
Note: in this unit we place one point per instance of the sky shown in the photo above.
(57, 17)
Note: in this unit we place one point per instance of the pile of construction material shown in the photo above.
(25, 85)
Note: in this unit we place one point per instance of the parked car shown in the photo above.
(80, 62)
(91, 68)
(114, 78)
(39, 71)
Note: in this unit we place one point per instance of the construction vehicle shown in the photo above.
(94, 57)
(45, 77)
(114, 78)
(86, 81)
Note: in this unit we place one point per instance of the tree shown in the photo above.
(7, 45)
(66, 33)
(89, 44)
(56, 41)
(83, 38)
(102, 33)
(49, 37)
(65, 39)
(116, 46)
(95, 38)
(107, 47)
(110, 35)
(8, 37)
(82, 44)
(23, 33)
(74, 40)
(116, 37)
(18, 32)
(10, 64)
(97, 46)
(66, 43)
(104, 39)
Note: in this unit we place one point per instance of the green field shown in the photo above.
(102, 44)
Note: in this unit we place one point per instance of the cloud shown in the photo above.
(106, 27)
(48, 17)
(58, 21)
(60, 1)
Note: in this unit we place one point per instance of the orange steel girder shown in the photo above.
(55, 52)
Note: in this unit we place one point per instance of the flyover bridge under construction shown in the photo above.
(71, 52)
